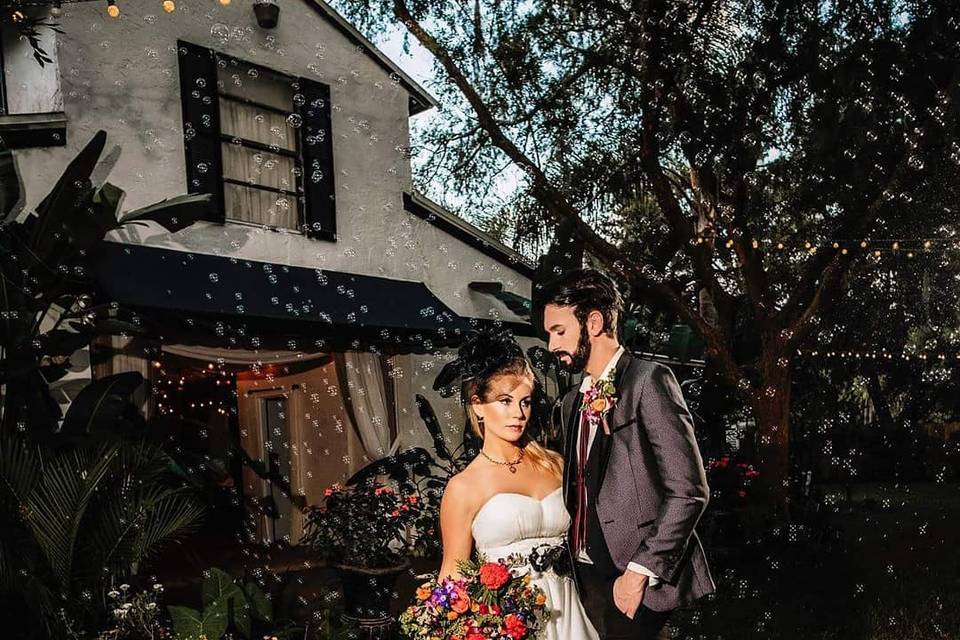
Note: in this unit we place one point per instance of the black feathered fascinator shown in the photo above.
(482, 353)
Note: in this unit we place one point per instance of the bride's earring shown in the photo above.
(480, 422)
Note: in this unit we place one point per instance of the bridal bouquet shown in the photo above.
(488, 603)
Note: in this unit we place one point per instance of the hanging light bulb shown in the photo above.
(224, 2)
(112, 9)
(168, 6)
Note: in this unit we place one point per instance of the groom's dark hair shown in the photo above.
(586, 290)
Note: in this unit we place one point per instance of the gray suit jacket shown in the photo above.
(653, 486)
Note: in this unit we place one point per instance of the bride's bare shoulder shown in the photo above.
(462, 487)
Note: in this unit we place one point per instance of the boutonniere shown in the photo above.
(598, 400)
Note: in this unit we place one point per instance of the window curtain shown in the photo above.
(367, 402)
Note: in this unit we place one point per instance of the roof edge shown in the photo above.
(420, 99)
(425, 208)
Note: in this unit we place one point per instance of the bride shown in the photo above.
(508, 500)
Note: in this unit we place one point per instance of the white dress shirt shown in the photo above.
(585, 384)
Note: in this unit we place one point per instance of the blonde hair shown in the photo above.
(549, 460)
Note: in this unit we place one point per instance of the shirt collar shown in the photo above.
(587, 380)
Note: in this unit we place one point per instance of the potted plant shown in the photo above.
(364, 532)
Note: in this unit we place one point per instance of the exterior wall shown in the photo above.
(122, 75)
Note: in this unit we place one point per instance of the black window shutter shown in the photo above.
(316, 144)
(201, 124)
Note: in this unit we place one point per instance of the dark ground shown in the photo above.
(891, 573)
(880, 562)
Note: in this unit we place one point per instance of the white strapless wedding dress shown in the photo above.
(510, 523)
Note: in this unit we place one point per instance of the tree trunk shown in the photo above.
(771, 408)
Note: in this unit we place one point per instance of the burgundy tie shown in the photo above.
(580, 517)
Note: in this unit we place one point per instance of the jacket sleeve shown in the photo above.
(669, 428)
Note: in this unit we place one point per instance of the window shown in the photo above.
(259, 141)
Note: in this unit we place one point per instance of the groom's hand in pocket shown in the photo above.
(628, 592)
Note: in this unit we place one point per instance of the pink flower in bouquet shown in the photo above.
(514, 627)
(494, 575)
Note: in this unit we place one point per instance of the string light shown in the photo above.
(56, 7)
(939, 358)
(875, 248)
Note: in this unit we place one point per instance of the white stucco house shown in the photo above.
(321, 294)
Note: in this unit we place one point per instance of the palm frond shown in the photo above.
(56, 508)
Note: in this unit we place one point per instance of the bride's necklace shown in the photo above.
(511, 465)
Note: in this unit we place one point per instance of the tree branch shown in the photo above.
(557, 206)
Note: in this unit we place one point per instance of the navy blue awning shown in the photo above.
(287, 299)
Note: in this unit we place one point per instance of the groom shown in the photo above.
(634, 482)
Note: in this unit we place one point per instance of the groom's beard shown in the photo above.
(579, 358)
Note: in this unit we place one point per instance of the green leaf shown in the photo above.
(173, 214)
(59, 206)
(59, 503)
(241, 617)
(261, 605)
(101, 403)
(219, 585)
(433, 426)
(216, 618)
(190, 624)
(109, 196)
(187, 622)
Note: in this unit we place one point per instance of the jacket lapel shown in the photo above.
(569, 414)
(619, 415)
